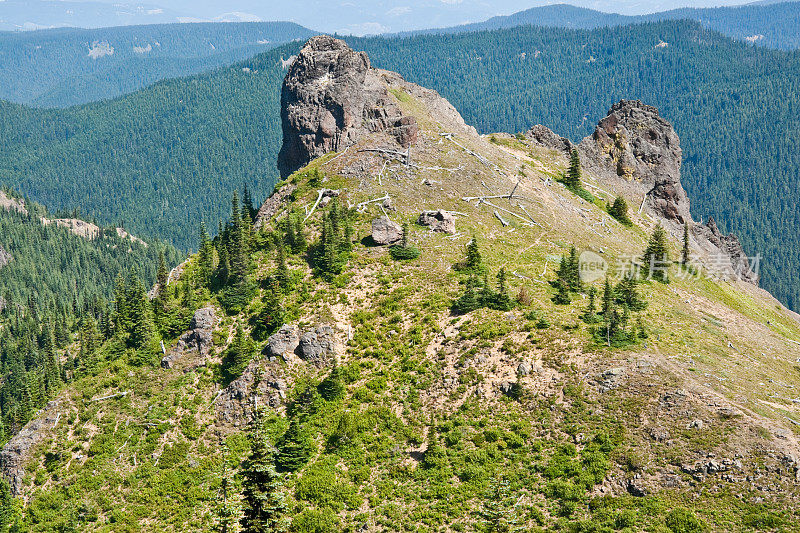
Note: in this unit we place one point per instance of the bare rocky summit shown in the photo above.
(635, 144)
(330, 98)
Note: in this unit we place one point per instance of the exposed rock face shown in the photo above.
(730, 246)
(236, 402)
(633, 143)
(546, 137)
(439, 220)
(282, 342)
(331, 97)
(385, 231)
(199, 337)
(5, 257)
(318, 346)
(16, 451)
(274, 204)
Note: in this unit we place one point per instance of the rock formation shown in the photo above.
(635, 145)
(438, 220)
(638, 152)
(14, 454)
(5, 257)
(198, 338)
(331, 97)
(386, 231)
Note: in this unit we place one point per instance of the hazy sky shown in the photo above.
(343, 16)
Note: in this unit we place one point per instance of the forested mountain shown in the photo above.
(402, 345)
(160, 159)
(775, 25)
(54, 284)
(64, 67)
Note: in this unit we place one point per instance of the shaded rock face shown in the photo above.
(318, 346)
(16, 452)
(236, 402)
(199, 337)
(274, 204)
(284, 341)
(5, 257)
(439, 220)
(546, 137)
(331, 97)
(633, 143)
(385, 231)
(730, 246)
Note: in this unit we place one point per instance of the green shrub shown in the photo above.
(400, 253)
(683, 520)
(313, 521)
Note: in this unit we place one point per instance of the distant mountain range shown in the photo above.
(773, 24)
(64, 67)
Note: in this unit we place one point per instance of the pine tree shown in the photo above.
(498, 510)
(282, 274)
(238, 355)
(227, 512)
(332, 387)
(685, 252)
(142, 329)
(656, 256)
(619, 210)
(608, 299)
(562, 296)
(573, 177)
(473, 261)
(273, 315)
(590, 314)
(162, 273)
(627, 294)
(469, 300)
(501, 301)
(205, 258)
(294, 448)
(265, 509)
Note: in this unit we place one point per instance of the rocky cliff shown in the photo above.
(637, 153)
(330, 98)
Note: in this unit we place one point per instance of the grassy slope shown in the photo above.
(419, 376)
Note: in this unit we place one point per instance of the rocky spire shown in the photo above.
(331, 97)
(635, 145)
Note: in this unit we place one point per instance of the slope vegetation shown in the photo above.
(412, 394)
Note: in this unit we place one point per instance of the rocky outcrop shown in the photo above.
(439, 220)
(731, 251)
(283, 342)
(318, 347)
(386, 231)
(5, 257)
(198, 339)
(274, 204)
(15, 453)
(331, 97)
(265, 382)
(547, 138)
(12, 204)
(635, 145)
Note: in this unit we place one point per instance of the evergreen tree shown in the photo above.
(227, 512)
(265, 509)
(627, 294)
(590, 314)
(685, 251)
(282, 274)
(162, 273)
(573, 177)
(332, 387)
(273, 314)
(562, 294)
(500, 300)
(294, 448)
(469, 300)
(619, 210)
(205, 258)
(656, 256)
(473, 261)
(238, 355)
(608, 298)
(499, 510)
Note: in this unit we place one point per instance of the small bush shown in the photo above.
(400, 253)
(683, 520)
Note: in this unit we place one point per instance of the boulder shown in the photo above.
(16, 453)
(318, 346)
(544, 136)
(439, 220)
(385, 231)
(263, 381)
(284, 341)
(524, 369)
(199, 338)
